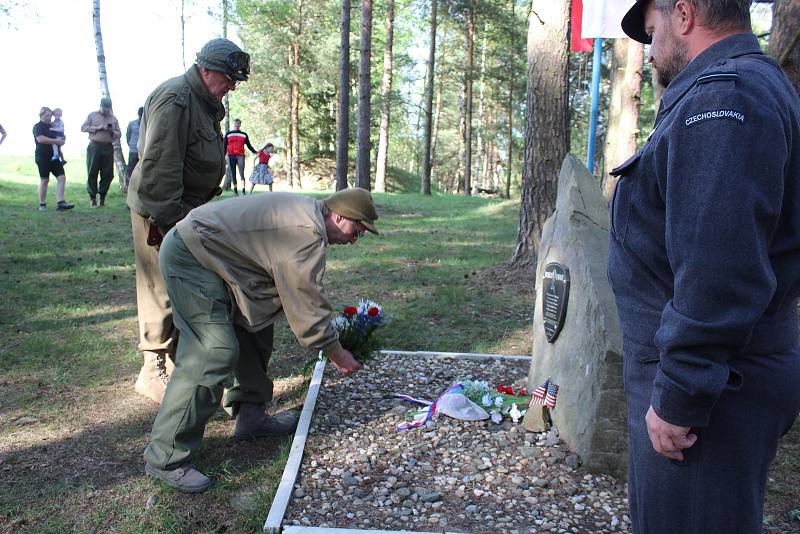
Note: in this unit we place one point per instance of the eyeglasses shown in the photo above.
(231, 82)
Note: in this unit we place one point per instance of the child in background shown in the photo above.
(261, 174)
(57, 126)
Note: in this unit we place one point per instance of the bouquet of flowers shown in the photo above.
(500, 401)
(356, 326)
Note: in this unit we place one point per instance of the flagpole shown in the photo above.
(598, 43)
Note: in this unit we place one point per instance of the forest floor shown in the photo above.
(72, 431)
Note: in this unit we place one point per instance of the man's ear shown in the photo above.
(684, 17)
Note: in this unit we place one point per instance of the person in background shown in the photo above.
(58, 126)
(45, 138)
(182, 163)
(704, 262)
(261, 174)
(103, 129)
(231, 268)
(235, 141)
(132, 138)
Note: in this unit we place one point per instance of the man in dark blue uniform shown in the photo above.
(704, 261)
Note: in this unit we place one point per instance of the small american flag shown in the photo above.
(550, 397)
(538, 395)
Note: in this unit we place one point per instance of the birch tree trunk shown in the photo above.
(183, 34)
(386, 92)
(343, 128)
(626, 91)
(119, 158)
(425, 184)
(547, 122)
(468, 100)
(364, 104)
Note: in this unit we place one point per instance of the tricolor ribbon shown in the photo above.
(422, 418)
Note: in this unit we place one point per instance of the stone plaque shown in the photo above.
(555, 294)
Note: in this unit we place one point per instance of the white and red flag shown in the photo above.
(603, 18)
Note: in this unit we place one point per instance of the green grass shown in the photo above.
(68, 354)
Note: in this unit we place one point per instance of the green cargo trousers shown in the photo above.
(211, 348)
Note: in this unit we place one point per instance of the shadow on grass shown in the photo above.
(69, 482)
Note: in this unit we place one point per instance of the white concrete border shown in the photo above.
(284, 492)
(456, 355)
(326, 530)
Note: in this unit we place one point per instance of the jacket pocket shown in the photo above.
(205, 152)
(621, 200)
(641, 352)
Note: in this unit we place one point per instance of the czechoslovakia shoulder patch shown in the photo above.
(714, 114)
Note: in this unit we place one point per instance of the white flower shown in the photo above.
(498, 401)
(515, 413)
(366, 304)
(496, 418)
(486, 400)
(340, 323)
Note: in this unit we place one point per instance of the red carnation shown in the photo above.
(373, 312)
(522, 392)
(509, 390)
(350, 310)
(501, 388)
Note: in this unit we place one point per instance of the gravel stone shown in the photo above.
(472, 477)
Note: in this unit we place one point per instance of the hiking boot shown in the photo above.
(185, 477)
(42, 207)
(253, 422)
(63, 206)
(102, 202)
(93, 203)
(153, 377)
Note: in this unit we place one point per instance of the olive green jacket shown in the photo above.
(181, 156)
(270, 251)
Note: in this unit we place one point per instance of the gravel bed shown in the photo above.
(359, 472)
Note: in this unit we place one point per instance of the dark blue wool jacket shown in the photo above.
(704, 255)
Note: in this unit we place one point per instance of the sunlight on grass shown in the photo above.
(68, 353)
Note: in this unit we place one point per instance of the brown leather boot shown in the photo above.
(153, 378)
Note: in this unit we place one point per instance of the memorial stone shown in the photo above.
(577, 339)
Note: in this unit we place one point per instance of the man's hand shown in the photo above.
(668, 439)
(344, 362)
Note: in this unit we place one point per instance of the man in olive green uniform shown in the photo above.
(230, 269)
(181, 163)
(103, 129)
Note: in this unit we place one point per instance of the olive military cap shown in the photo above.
(105, 103)
(224, 56)
(355, 204)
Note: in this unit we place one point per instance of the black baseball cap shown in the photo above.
(633, 22)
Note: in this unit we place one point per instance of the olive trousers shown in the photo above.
(211, 348)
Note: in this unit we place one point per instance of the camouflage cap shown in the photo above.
(105, 103)
(222, 55)
(355, 204)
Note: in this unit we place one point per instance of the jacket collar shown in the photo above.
(198, 87)
(734, 46)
